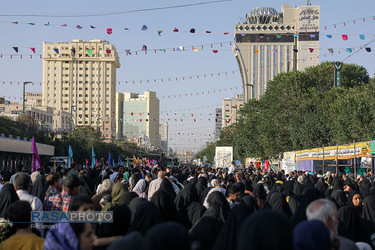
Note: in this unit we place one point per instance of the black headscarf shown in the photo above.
(369, 217)
(194, 212)
(127, 197)
(337, 183)
(288, 187)
(134, 203)
(349, 223)
(256, 231)
(309, 196)
(298, 189)
(294, 202)
(164, 202)
(8, 195)
(206, 232)
(146, 216)
(340, 198)
(250, 202)
(39, 188)
(201, 185)
(167, 186)
(227, 239)
(321, 186)
(186, 196)
(167, 236)
(259, 192)
(358, 209)
(279, 204)
(218, 206)
(121, 222)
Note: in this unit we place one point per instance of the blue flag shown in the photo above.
(93, 158)
(119, 159)
(109, 158)
(70, 155)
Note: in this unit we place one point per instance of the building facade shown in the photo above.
(48, 119)
(218, 122)
(230, 109)
(138, 117)
(269, 43)
(163, 131)
(34, 98)
(80, 77)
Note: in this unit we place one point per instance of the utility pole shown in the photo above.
(23, 100)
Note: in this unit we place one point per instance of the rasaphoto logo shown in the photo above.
(71, 217)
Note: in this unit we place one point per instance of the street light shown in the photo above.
(23, 104)
(71, 117)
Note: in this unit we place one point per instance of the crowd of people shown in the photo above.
(189, 207)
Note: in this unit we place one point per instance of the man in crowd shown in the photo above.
(22, 186)
(325, 211)
(155, 184)
(20, 211)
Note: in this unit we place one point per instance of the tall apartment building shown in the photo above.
(268, 43)
(230, 108)
(218, 122)
(163, 131)
(80, 77)
(138, 117)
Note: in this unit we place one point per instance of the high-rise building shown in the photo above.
(218, 122)
(138, 117)
(80, 77)
(268, 43)
(230, 108)
(163, 131)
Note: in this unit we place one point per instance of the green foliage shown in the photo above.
(302, 110)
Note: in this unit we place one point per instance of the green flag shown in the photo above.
(127, 161)
(89, 51)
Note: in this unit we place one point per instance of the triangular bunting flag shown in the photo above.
(144, 28)
(92, 27)
(144, 48)
(108, 51)
(330, 51)
(329, 36)
(192, 30)
(349, 50)
(33, 50)
(312, 35)
(278, 36)
(295, 50)
(311, 50)
(275, 51)
(159, 32)
(368, 49)
(345, 37)
(175, 30)
(74, 51)
(79, 27)
(215, 51)
(362, 37)
(16, 49)
(57, 51)
(109, 31)
(257, 50)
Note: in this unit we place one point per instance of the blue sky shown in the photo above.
(216, 17)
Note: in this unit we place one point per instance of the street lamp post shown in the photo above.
(71, 117)
(23, 100)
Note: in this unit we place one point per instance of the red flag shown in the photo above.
(33, 50)
(109, 31)
(215, 51)
(311, 50)
(345, 37)
(175, 30)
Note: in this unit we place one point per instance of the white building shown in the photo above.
(80, 77)
(230, 109)
(269, 43)
(218, 122)
(163, 131)
(138, 117)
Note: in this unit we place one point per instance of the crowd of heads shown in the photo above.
(193, 207)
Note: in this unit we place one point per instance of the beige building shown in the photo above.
(34, 98)
(80, 77)
(230, 109)
(163, 131)
(138, 117)
(48, 119)
(218, 122)
(268, 43)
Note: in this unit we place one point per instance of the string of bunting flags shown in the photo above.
(159, 32)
